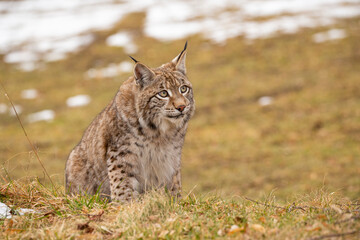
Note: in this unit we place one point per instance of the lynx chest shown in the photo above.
(158, 162)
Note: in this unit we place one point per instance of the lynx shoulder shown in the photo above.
(135, 143)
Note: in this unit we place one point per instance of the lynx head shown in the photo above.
(164, 94)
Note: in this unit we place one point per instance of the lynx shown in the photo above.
(135, 143)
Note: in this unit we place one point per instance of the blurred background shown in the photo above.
(276, 82)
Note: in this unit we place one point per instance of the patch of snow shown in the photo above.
(23, 211)
(332, 34)
(124, 40)
(29, 93)
(168, 31)
(21, 56)
(44, 115)
(91, 73)
(3, 108)
(18, 108)
(341, 11)
(57, 50)
(265, 101)
(49, 51)
(164, 22)
(126, 66)
(213, 20)
(33, 31)
(78, 101)
(256, 30)
(28, 66)
(4, 211)
(263, 8)
(109, 71)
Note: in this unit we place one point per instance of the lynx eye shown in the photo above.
(163, 94)
(183, 89)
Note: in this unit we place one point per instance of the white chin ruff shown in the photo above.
(169, 123)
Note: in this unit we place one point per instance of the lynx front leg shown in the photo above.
(175, 187)
(123, 183)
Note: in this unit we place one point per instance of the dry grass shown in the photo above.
(157, 216)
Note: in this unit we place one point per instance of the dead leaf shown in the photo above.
(51, 213)
(336, 208)
(171, 219)
(118, 235)
(233, 229)
(273, 231)
(8, 223)
(13, 230)
(153, 218)
(313, 228)
(85, 236)
(106, 231)
(321, 216)
(346, 216)
(85, 227)
(274, 218)
(240, 219)
(325, 224)
(96, 215)
(280, 211)
(163, 233)
(258, 228)
(262, 219)
(85, 210)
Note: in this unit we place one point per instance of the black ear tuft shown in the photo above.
(136, 61)
(179, 60)
(185, 47)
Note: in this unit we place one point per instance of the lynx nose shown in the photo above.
(180, 108)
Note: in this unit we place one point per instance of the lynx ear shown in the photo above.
(179, 60)
(143, 74)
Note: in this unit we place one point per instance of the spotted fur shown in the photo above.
(135, 143)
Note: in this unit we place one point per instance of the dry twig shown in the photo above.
(289, 209)
(27, 137)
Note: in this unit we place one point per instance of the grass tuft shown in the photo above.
(156, 215)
